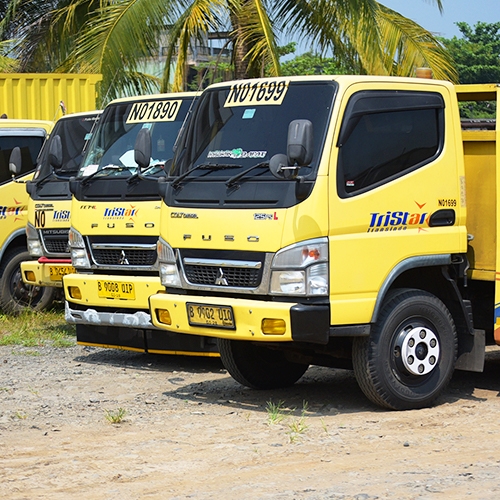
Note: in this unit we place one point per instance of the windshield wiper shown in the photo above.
(53, 175)
(86, 180)
(201, 166)
(144, 175)
(234, 180)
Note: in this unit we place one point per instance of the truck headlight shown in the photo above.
(34, 244)
(301, 269)
(79, 256)
(169, 274)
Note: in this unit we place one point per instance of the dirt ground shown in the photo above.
(190, 431)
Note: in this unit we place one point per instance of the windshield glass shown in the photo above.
(247, 123)
(111, 149)
(30, 146)
(74, 132)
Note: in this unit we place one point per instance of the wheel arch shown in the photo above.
(432, 274)
(16, 239)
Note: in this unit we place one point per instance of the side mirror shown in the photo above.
(15, 161)
(300, 143)
(278, 165)
(73, 185)
(30, 188)
(162, 187)
(142, 148)
(55, 152)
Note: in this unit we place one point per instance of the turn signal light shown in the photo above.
(273, 326)
(30, 276)
(74, 292)
(163, 316)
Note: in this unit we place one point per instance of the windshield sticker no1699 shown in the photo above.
(258, 93)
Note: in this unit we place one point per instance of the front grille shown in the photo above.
(124, 257)
(56, 242)
(233, 276)
(121, 251)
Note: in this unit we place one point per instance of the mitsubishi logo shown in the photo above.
(221, 280)
(123, 259)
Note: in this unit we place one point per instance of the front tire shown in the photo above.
(15, 295)
(258, 367)
(409, 357)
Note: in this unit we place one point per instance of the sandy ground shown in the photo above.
(190, 431)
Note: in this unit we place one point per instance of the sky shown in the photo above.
(428, 16)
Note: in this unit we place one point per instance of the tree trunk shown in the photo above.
(240, 49)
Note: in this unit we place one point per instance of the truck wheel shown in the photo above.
(410, 355)
(15, 295)
(257, 366)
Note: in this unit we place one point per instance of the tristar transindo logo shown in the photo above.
(61, 215)
(398, 220)
(117, 213)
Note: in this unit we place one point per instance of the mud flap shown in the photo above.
(471, 351)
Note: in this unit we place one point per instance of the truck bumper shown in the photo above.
(85, 303)
(124, 323)
(150, 341)
(45, 273)
(251, 319)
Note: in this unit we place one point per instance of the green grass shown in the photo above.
(35, 329)
(115, 416)
(275, 412)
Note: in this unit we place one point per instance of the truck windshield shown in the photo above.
(110, 152)
(30, 147)
(246, 124)
(73, 131)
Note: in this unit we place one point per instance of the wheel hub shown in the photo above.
(419, 350)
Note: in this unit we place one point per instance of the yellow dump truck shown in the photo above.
(344, 221)
(49, 203)
(31, 102)
(28, 136)
(115, 215)
(46, 96)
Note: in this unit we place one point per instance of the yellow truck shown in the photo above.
(115, 215)
(344, 221)
(28, 136)
(47, 96)
(49, 202)
(31, 102)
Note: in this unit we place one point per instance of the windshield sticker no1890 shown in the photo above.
(154, 111)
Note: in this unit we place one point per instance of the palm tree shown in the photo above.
(113, 37)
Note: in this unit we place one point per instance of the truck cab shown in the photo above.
(114, 230)
(49, 204)
(324, 220)
(28, 136)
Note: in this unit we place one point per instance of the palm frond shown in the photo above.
(256, 33)
(113, 43)
(192, 24)
(407, 46)
(7, 64)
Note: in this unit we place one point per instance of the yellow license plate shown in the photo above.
(207, 315)
(57, 272)
(115, 290)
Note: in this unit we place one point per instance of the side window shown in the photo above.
(385, 135)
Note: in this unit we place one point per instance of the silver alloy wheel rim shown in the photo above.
(420, 350)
